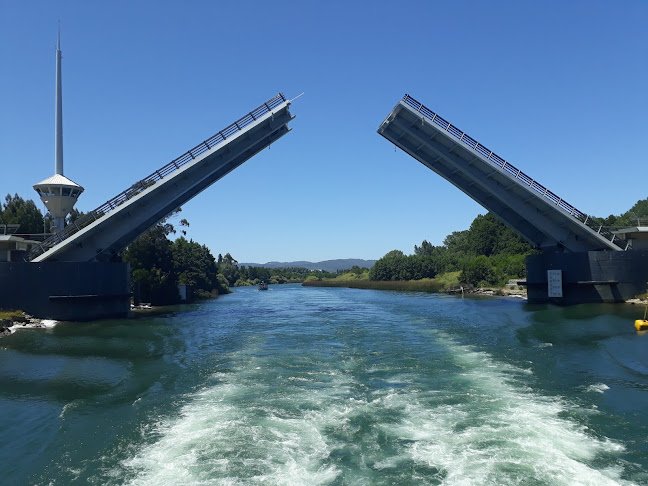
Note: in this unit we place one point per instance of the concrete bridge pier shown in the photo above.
(66, 291)
(586, 277)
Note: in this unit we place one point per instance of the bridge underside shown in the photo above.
(124, 218)
(537, 219)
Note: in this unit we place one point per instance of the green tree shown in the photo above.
(16, 210)
(426, 248)
(629, 218)
(478, 271)
(397, 266)
(457, 242)
(389, 267)
(196, 267)
(74, 215)
(638, 211)
(151, 262)
(489, 236)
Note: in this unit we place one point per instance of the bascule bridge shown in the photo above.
(72, 275)
(581, 259)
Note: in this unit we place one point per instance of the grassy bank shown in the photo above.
(12, 315)
(426, 285)
(439, 284)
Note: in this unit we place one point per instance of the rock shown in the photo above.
(5, 324)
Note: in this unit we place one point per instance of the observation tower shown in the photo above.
(58, 193)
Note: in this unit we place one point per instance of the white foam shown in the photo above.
(485, 427)
(221, 437)
(597, 388)
(43, 324)
(502, 435)
(213, 438)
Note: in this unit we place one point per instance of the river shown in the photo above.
(330, 386)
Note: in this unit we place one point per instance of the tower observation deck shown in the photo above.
(529, 208)
(102, 233)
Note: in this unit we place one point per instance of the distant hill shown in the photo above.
(327, 265)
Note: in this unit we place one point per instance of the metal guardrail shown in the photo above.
(159, 174)
(516, 173)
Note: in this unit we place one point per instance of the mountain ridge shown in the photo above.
(327, 265)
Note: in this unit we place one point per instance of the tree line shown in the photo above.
(487, 254)
(16, 210)
(160, 265)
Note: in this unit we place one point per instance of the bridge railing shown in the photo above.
(516, 173)
(156, 176)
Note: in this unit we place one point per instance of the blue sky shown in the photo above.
(557, 88)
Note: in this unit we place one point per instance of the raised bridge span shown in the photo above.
(529, 208)
(102, 233)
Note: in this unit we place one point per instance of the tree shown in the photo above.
(457, 242)
(151, 261)
(489, 236)
(25, 213)
(229, 260)
(426, 248)
(185, 224)
(629, 218)
(196, 267)
(388, 267)
(478, 271)
(636, 212)
(74, 215)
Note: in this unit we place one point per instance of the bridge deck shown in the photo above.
(540, 216)
(112, 226)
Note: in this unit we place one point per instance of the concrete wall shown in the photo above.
(66, 291)
(593, 276)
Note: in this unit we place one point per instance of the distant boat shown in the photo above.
(263, 286)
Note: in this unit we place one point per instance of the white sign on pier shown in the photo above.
(554, 283)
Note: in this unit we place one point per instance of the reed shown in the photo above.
(424, 285)
(11, 314)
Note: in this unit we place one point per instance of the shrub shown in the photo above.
(478, 272)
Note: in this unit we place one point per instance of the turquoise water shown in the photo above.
(330, 386)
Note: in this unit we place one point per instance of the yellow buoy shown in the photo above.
(642, 324)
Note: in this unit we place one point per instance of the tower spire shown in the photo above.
(58, 131)
(58, 193)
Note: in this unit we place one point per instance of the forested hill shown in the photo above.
(327, 265)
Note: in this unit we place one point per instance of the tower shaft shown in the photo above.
(58, 131)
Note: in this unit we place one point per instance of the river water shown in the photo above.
(330, 386)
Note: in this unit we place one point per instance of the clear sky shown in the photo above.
(557, 88)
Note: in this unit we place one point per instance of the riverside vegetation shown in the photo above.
(488, 254)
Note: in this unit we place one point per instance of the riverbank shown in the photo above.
(424, 285)
(10, 322)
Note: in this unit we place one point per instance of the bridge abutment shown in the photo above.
(590, 276)
(66, 291)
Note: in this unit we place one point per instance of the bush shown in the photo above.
(449, 279)
(11, 315)
(222, 286)
(397, 266)
(478, 272)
